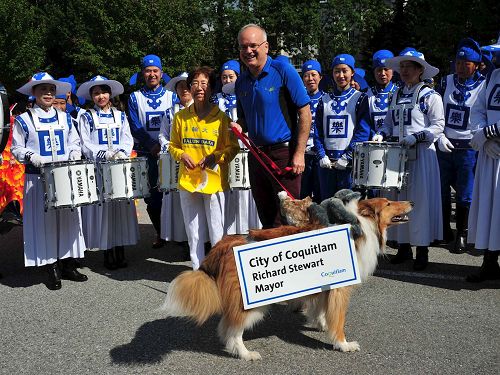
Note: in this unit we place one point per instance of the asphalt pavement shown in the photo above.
(429, 322)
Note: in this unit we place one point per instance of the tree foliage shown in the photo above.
(109, 37)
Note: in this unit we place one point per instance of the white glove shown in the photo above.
(341, 164)
(109, 155)
(409, 140)
(75, 155)
(164, 146)
(120, 155)
(378, 138)
(492, 148)
(36, 160)
(325, 162)
(445, 145)
(477, 141)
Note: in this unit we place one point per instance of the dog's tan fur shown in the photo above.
(214, 288)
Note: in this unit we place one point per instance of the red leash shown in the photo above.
(261, 156)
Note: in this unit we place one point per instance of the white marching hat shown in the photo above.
(411, 54)
(84, 89)
(42, 77)
(171, 84)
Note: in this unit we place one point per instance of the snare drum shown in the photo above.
(82, 187)
(124, 179)
(379, 165)
(168, 173)
(238, 171)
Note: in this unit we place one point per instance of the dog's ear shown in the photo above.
(365, 209)
(318, 214)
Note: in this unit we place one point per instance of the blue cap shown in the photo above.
(71, 79)
(282, 58)
(311, 65)
(380, 57)
(61, 96)
(359, 77)
(344, 58)
(410, 51)
(151, 60)
(487, 55)
(231, 65)
(469, 50)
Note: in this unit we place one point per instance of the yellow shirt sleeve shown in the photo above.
(228, 146)
(175, 147)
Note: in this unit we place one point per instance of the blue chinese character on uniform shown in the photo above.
(456, 118)
(337, 127)
(497, 97)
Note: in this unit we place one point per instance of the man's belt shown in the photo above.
(275, 146)
(460, 143)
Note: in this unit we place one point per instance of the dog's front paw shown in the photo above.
(251, 356)
(345, 346)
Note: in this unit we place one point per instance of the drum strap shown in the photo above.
(50, 128)
(107, 127)
(269, 165)
(401, 108)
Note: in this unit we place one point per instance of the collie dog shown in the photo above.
(214, 288)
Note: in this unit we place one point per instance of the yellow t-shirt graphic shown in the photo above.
(200, 138)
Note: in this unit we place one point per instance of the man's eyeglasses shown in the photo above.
(253, 46)
(203, 85)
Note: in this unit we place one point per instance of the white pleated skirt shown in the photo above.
(240, 212)
(424, 189)
(172, 223)
(484, 214)
(110, 224)
(51, 235)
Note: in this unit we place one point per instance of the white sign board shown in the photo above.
(293, 266)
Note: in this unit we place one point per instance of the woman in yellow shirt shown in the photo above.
(201, 140)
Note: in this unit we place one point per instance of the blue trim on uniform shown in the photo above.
(23, 124)
(136, 127)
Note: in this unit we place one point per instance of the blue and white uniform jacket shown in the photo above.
(227, 104)
(101, 131)
(342, 120)
(378, 104)
(51, 134)
(313, 133)
(146, 110)
(416, 110)
(458, 99)
(485, 113)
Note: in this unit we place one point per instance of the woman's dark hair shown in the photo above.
(207, 72)
(104, 88)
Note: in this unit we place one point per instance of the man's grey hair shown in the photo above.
(264, 34)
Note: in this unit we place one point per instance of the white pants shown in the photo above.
(201, 211)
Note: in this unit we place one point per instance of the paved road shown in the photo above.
(405, 322)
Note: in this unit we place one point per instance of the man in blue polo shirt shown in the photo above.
(273, 107)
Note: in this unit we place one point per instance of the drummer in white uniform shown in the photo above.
(173, 229)
(416, 119)
(484, 217)
(42, 135)
(105, 135)
(241, 211)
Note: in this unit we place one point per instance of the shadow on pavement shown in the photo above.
(439, 275)
(156, 339)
